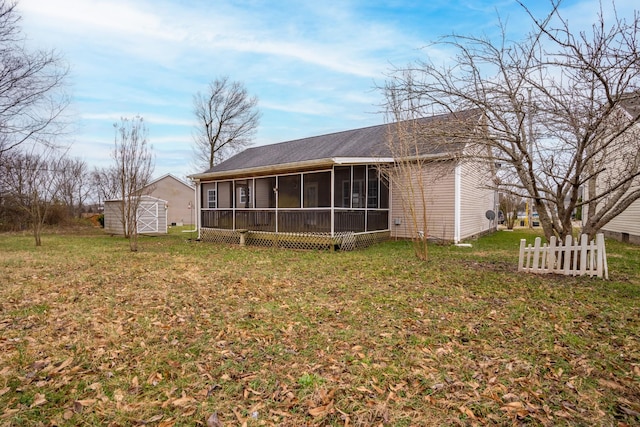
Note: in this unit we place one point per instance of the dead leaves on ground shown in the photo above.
(193, 344)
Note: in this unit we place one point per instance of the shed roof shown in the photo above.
(364, 143)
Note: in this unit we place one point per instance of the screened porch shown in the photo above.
(352, 199)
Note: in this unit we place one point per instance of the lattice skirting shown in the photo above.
(340, 241)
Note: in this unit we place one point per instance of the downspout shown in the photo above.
(457, 199)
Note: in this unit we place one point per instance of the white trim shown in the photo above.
(360, 160)
(197, 207)
(298, 167)
(456, 204)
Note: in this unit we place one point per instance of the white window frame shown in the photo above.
(243, 195)
(212, 202)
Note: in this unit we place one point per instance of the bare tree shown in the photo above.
(509, 205)
(227, 119)
(134, 164)
(105, 184)
(28, 182)
(31, 83)
(553, 104)
(72, 181)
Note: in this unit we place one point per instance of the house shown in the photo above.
(179, 195)
(623, 160)
(151, 215)
(341, 190)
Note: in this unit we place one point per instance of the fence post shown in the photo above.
(601, 259)
(566, 256)
(536, 254)
(583, 255)
(552, 254)
(523, 243)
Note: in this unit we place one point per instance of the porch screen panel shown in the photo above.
(265, 196)
(289, 191)
(225, 195)
(373, 187)
(377, 220)
(349, 220)
(244, 193)
(317, 190)
(205, 188)
(384, 193)
(358, 192)
(342, 198)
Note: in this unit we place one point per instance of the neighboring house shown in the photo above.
(626, 226)
(331, 185)
(151, 214)
(180, 198)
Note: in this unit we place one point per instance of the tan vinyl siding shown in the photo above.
(178, 196)
(627, 222)
(113, 217)
(264, 189)
(439, 195)
(475, 198)
(225, 194)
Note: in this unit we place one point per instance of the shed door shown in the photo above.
(148, 217)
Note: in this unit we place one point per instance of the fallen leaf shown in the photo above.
(214, 421)
(154, 419)
(468, 412)
(79, 405)
(118, 395)
(610, 384)
(183, 401)
(63, 365)
(320, 410)
(39, 399)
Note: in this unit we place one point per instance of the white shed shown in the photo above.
(151, 216)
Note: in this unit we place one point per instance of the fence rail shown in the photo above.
(574, 258)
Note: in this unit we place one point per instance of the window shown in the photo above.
(372, 194)
(358, 187)
(372, 187)
(342, 197)
(212, 199)
(245, 195)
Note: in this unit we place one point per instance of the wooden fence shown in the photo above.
(574, 258)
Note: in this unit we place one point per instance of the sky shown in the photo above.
(314, 66)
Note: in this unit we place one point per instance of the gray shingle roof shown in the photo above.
(369, 142)
(631, 103)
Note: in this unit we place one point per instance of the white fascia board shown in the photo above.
(274, 169)
(361, 160)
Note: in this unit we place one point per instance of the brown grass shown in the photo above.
(92, 334)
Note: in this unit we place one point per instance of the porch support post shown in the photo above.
(333, 200)
(196, 206)
(277, 190)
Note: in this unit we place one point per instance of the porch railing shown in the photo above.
(297, 221)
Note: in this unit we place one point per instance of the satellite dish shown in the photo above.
(490, 215)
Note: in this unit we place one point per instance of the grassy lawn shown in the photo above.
(92, 334)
